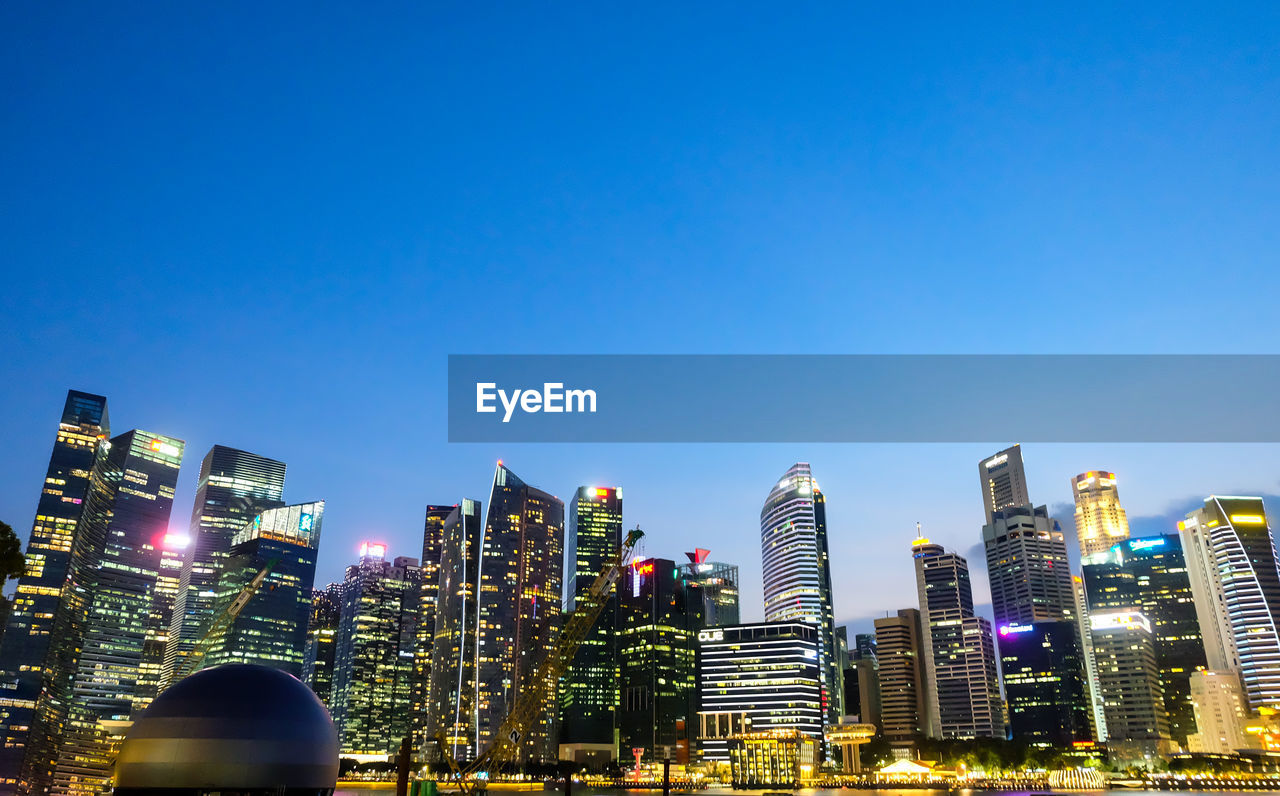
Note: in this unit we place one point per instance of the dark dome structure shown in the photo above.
(239, 728)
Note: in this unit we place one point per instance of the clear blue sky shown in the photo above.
(266, 226)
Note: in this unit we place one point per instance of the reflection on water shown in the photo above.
(582, 790)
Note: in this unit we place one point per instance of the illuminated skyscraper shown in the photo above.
(656, 661)
(30, 623)
(1231, 562)
(904, 679)
(1100, 519)
(797, 572)
(959, 654)
(589, 690)
(373, 666)
(1044, 680)
(1027, 565)
(234, 486)
(271, 629)
(1098, 716)
(160, 620)
(521, 577)
(322, 641)
(1149, 576)
(428, 595)
(712, 590)
(1137, 723)
(757, 677)
(451, 687)
(1033, 596)
(100, 626)
(1004, 482)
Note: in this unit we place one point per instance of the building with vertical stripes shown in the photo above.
(755, 678)
(797, 572)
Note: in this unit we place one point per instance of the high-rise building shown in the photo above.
(234, 486)
(959, 654)
(1129, 679)
(862, 691)
(1221, 716)
(322, 641)
(1084, 629)
(862, 680)
(1149, 576)
(159, 622)
(1027, 565)
(904, 682)
(271, 629)
(656, 661)
(521, 575)
(797, 572)
(373, 669)
(589, 689)
(428, 596)
(756, 678)
(451, 687)
(1044, 683)
(1231, 562)
(100, 625)
(1100, 519)
(712, 590)
(30, 623)
(1032, 588)
(1004, 481)
(864, 647)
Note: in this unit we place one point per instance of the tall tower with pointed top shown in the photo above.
(521, 576)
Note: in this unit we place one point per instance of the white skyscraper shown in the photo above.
(1231, 562)
(797, 572)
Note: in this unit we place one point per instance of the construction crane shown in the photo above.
(532, 698)
(219, 626)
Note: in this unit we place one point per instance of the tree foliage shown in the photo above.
(12, 563)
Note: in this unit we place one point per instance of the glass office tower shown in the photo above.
(30, 624)
(322, 641)
(1149, 575)
(712, 588)
(451, 707)
(797, 571)
(1044, 683)
(234, 486)
(100, 626)
(373, 667)
(521, 576)
(428, 595)
(656, 657)
(271, 629)
(589, 689)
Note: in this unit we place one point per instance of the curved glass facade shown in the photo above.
(797, 571)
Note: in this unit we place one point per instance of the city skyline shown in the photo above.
(313, 238)
(849, 466)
